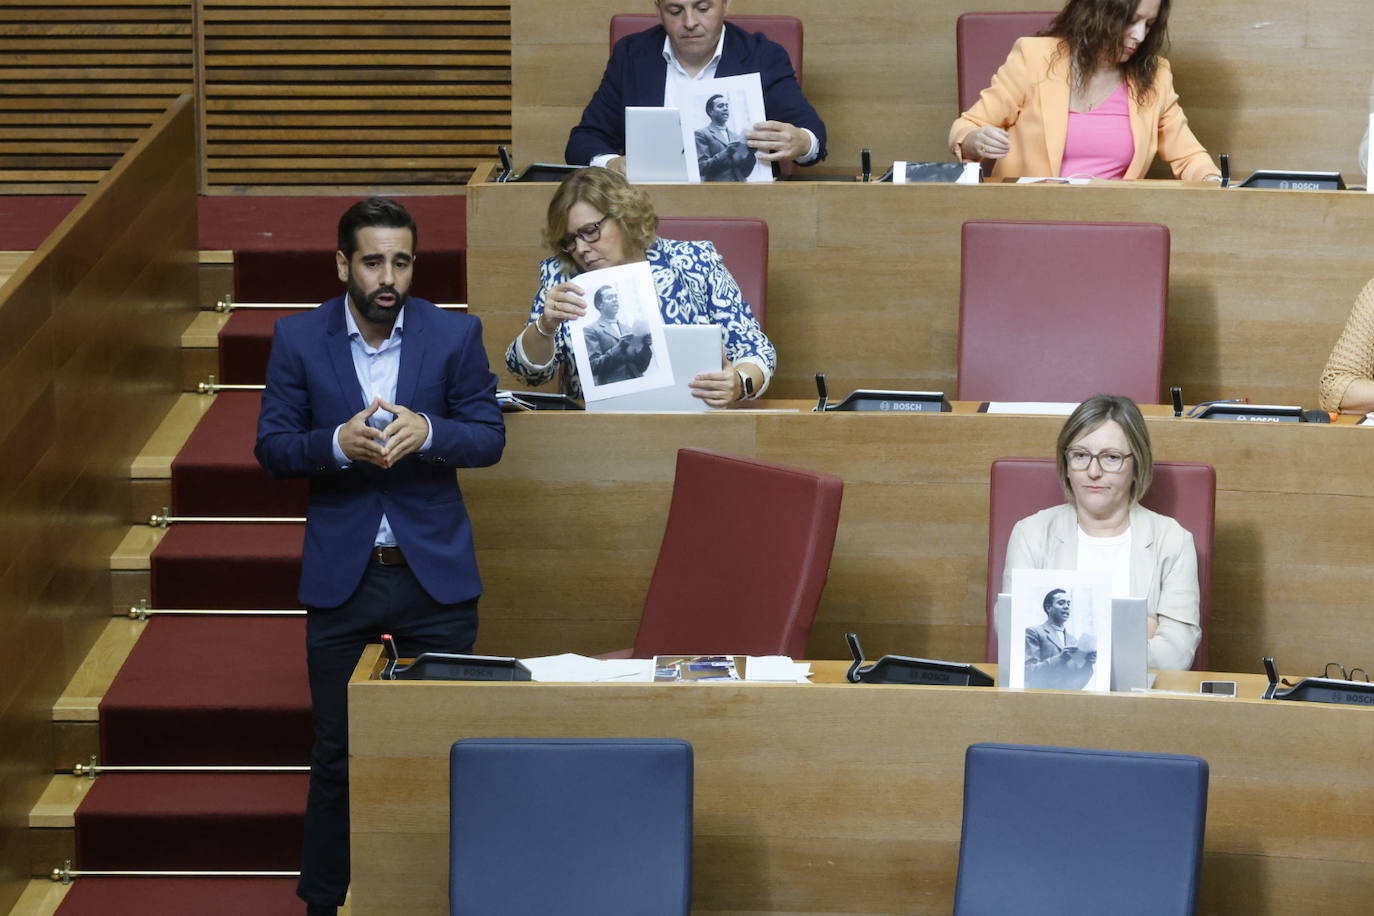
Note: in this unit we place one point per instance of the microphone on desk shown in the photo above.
(866, 160)
(822, 393)
(1176, 393)
(392, 655)
(1225, 169)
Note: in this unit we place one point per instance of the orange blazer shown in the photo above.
(1029, 98)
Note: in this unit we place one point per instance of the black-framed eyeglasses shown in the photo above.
(588, 233)
(1080, 459)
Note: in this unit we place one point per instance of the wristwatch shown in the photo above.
(746, 384)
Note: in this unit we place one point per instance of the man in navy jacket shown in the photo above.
(377, 398)
(692, 42)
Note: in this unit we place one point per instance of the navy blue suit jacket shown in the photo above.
(312, 387)
(636, 75)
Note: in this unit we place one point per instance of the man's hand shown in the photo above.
(617, 164)
(403, 435)
(361, 442)
(776, 141)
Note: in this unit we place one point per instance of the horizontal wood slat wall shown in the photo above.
(304, 94)
(81, 81)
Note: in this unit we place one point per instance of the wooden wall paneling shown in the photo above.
(81, 82)
(865, 278)
(789, 776)
(881, 74)
(330, 93)
(1295, 512)
(90, 329)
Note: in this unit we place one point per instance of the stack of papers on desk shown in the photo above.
(571, 668)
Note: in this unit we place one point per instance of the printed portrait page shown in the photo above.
(1060, 633)
(619, 345)
(716, 115)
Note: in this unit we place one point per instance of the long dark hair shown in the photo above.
(1093, 31)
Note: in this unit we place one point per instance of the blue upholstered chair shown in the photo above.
(573, 826)
(1065, 831)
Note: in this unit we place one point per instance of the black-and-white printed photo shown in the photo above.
(618, 346)
(723, 154)
(618, 350)
(717, 114)
(1056, 658)
(1059, 636)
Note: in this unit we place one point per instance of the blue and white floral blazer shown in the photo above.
(694, 287)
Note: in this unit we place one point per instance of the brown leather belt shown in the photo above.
(388, 556)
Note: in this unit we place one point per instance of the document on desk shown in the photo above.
(1047, 408)
(572, 668)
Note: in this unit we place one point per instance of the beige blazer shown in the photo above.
(1029, 98)
(1163, 570)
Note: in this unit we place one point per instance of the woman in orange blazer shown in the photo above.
(1096, 54)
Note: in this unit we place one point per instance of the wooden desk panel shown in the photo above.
(833, 798)
(864, 279)
(569, 523)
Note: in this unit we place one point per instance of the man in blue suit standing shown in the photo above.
(377, 398)
(694, 42)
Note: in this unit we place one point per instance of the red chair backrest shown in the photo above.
(744, 558)
(784, 30)
(982, 43)
(1059, 311)
(1184, 491)
(743, 245)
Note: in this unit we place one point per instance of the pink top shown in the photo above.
(1099, 143)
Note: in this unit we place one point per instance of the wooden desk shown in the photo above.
(835, 798)
(568, 530)
(863, 280)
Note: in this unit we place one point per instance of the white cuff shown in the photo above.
(524, 357)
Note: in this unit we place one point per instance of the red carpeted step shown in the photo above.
(198, 896)
(228, 566)
(216, 474)
(204, 691)
(245, 341)
(26, 220)
(176, 821)
(289, 222)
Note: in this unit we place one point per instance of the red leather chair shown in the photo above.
(1053, 311)
(1183, 491)
(982, 43)
(785, 30)
(744, 558)
(743, 245)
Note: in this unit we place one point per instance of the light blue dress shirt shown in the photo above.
(378, 369)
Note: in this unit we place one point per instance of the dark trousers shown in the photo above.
(388, 600)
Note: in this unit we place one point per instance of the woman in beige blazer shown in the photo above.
(1105, 463)
(1090, 50)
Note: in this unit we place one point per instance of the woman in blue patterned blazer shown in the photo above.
(598, 219)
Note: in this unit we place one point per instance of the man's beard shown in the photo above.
(367, 304)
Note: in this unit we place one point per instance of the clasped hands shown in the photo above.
(383, 447)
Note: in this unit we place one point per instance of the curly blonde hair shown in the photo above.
(609, 192)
